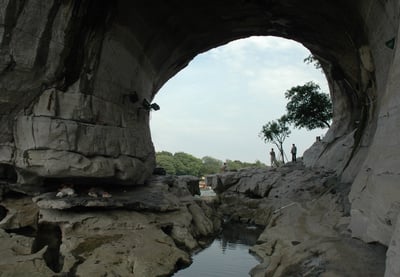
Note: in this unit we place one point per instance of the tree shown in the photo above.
(182, 163)
(276, 132)
(234, 165)
(210, 165)
(165, 160)
(311, 59)
(186, 164)
(308, 107)
(237, 165)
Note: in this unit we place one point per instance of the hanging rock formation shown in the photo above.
(76, 78)
(72, 94)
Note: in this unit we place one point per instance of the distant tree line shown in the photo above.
(181, 163)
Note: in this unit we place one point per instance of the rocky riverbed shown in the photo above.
(152, 230)
(141, 231)
(306, 216)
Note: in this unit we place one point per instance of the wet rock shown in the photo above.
(203, 225)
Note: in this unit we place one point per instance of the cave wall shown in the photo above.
(369, 157)
(74, 75)
(375, 194)
(72, 88)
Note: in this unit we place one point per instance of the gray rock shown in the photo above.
(90, 236)
(191, 183)
(20, 213)
(147, 198)
(17, 258)
(73, 80)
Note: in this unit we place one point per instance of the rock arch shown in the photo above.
(74, 75)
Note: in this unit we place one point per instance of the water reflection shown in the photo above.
(228, 254)
(207, 192)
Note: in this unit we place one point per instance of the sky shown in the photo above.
(217, 105)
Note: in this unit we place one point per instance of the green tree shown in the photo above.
(276, 132)
(308, 107)
(182, 163)
(311, 59)
(186, 164)
(234, 165)
(165, 160)
(210, 165)
(258, 164)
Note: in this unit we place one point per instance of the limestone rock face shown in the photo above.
(255, 195)
(306, 216)
(74, 76)
(392, 263)
(64, 112)
(151, 234)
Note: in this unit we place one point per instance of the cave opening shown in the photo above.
(217, 105)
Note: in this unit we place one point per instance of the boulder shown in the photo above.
(190, 182)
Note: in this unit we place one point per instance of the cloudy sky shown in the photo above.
(217, 105)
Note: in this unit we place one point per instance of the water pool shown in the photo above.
(227, 255)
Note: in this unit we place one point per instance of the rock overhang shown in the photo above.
(74, 75)
(132, 48)
(71, 97)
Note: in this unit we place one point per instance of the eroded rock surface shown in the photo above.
(149, 231)
(306, 214)
(254, 195)
(17, 258)
(75, 77)
(155, 197)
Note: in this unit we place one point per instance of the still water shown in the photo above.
(228, 254)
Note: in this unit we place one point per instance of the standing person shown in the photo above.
(273, 158)
(294, 152)
(224, 168)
